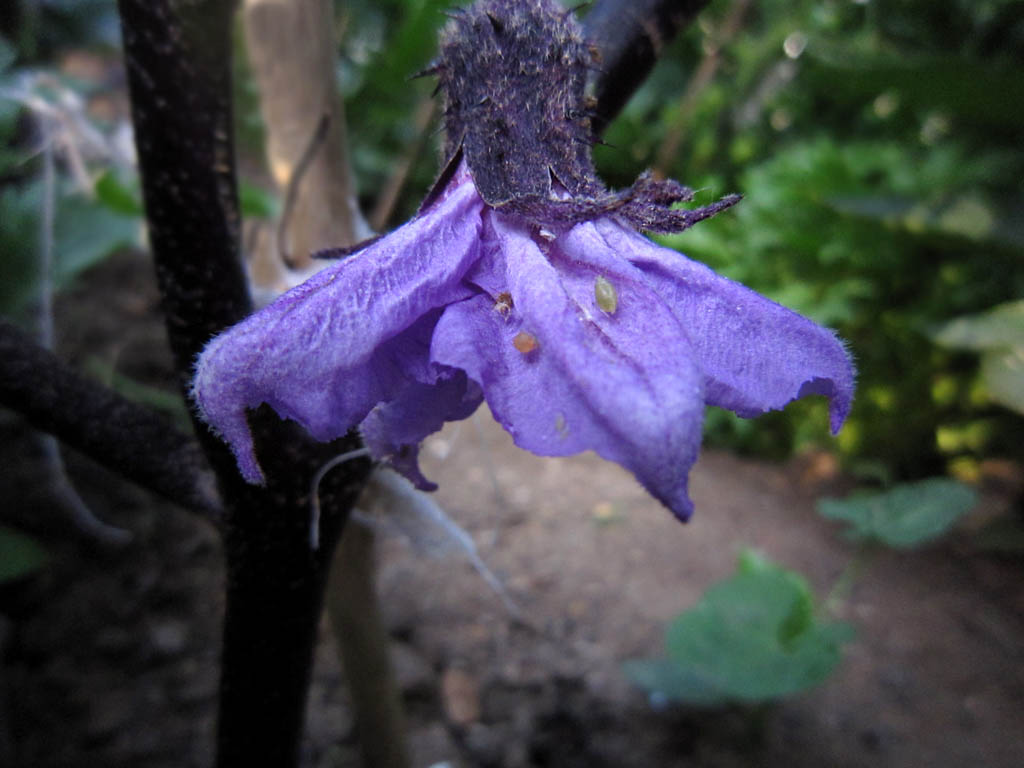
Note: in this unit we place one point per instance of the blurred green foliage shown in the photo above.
(752, 638)
(85, 231)
(998, 335)
(88, 223)
(20, 555)
(904, 516)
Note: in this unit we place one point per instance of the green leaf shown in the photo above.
(20, 555)
(7, 54)
(256, 202)
(976, 92)
(752, 638)
(999, 335)
(85, 232)
(905, 516)
(118, 197)
(1002, 372)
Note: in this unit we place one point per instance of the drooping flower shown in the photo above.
(523, 282)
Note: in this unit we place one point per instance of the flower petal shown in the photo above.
(622, 384)
(394, 430)
(327, 351)
(756, 355)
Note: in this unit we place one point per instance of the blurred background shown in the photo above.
(879, 146)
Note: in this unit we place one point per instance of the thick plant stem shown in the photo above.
(177, 55)
(630, 35)
(291, 49)
(122, 435)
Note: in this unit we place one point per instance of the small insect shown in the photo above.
(503, 303)
(525, 342)
(605, 295)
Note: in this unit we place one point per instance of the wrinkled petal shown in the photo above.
(327, 351)
(394, 430)
(621, 384)
(756, 355)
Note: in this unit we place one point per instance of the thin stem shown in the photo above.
(78, 512)
(314, 491)
(292, 189)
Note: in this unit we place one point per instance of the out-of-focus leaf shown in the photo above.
(904, 517)
(999, 335)
(19, 248)
(976, 92)
(412, 46)
(752, 638)
(7, 54)
(20, 555)
(1001, 326)
(117, 196)
(256, 202)
(84, 233)
(9, 109)
(873, 207)
(1002, 372)
(966, 217)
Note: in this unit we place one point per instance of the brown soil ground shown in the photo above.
(110, 656)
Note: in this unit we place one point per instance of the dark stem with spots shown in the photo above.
(630, 35)
(178, 55)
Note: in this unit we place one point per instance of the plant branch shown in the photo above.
(178, 55)
(630, 35)
(123, 436)
(76, 510)
(291, 48)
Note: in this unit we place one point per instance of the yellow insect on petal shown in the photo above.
(605, 295)
(525, 342)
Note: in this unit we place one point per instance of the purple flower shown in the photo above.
(589, 337)
(579, 333)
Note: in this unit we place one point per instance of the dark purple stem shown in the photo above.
(123, 436)
(178, 54)
(630, 35)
